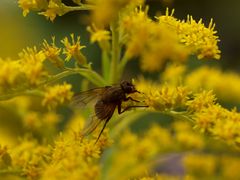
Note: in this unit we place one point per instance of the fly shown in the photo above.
(107, 99)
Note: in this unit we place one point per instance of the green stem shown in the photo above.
(180, 115)
(105, 65)
(22, 93)
(115, 52)
(10, 171)
(123, 63)
(84, 7)
(92, 76)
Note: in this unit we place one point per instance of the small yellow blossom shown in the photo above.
(89, 150)
(201, 100)
(173, 74)
(32, 66)
(55, 7)
(28, 5)
(167, 98)
(52, 53)
(153, 43)
(73, 50)
(28, 153)
(199, 39)
(57, 94)
(99, 35)
(108, 10)
(9, 73)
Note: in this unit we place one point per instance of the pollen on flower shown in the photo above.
(56, 95)
(72, 49)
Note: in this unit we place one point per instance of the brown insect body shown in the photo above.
(107, 99)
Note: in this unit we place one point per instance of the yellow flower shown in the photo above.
(73, 50)
(224, 84)
(9, 73)
(173, 74)
(28, 5)
(57, 94)
(107, 11)
(52, 53)
(54, 8)
(201, 100)
(31, 62)
(153, 43)
(199, 39)
(167, 98)
(89, 150)
(28, 155)
(99, 35)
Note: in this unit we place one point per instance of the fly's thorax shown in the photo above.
(113, 96)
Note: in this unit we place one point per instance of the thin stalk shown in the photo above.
(180, 115)
(22, 93)
(84, 7)
(92, 76)
(11, 171)
(123, 63)
(105, 65)
(115, 52)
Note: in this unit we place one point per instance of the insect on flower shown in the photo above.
(106, 100)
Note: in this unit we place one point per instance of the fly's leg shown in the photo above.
(105, 123)
(129, 98)
(120, 111)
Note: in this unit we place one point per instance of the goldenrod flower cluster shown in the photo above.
(179, 129)
(200, 108)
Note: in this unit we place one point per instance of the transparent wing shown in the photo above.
(91, 96)
(102, 115)
(91, 125)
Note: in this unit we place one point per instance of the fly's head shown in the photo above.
(128, 87)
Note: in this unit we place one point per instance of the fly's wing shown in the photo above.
(102, 114)
(83, 98)
(91, 124)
